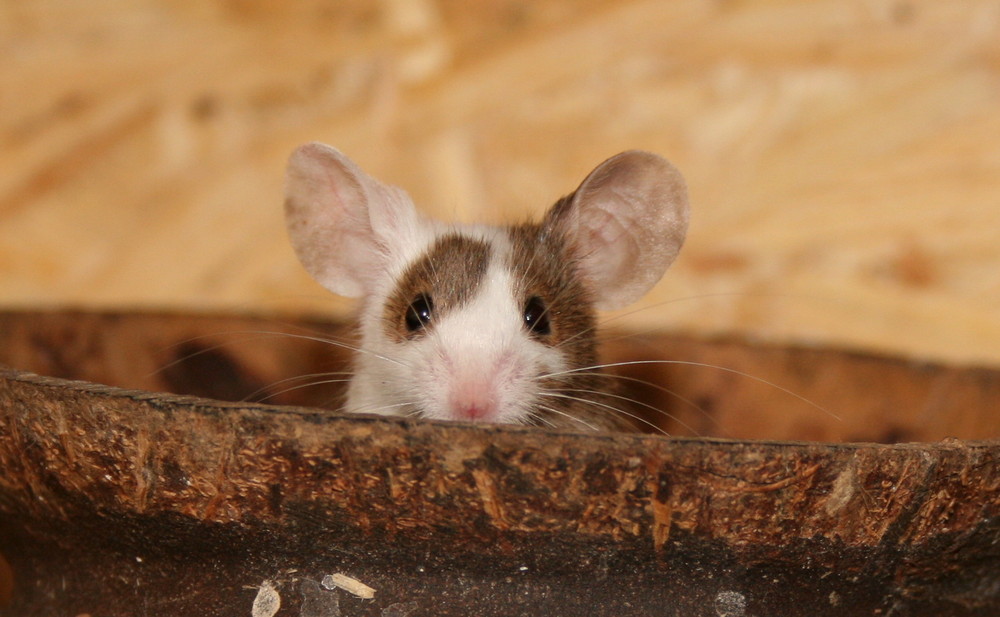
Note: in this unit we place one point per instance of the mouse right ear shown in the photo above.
(626, 223)
(341, 221)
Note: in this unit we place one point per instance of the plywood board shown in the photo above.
(842, 157)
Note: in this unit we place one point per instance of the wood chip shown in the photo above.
(348, 584)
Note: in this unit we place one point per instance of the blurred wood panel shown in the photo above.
(843, 157)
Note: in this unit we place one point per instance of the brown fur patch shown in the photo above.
(546, 266)
(450, 274)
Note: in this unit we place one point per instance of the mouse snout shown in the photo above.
(473, 397)
(484, 387)
(482, 371)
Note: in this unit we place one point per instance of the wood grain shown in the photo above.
(114, 499)
(843, 157)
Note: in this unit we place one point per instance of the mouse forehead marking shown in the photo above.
(545, 267)
(450, 273)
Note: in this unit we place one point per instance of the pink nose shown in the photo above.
(472, 400)
(473, 411)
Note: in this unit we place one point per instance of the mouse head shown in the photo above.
(476, 322)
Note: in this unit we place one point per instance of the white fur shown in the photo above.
(478, 354)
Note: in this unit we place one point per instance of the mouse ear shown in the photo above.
(626, 223)
(342, 222)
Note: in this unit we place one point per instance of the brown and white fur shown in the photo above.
(482, 323)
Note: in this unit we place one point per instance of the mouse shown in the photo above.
(485, 323)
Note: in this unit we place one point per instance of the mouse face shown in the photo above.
(481, 327)
(479, 323)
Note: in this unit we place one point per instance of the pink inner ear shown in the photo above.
(632, 215)
(611, 241)
(345, 226)
(327, 215)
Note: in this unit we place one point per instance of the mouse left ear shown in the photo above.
(625, 223)
(343, 223)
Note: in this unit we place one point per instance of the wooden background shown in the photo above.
(843, 156)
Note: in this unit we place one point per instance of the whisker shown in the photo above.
(534, 417)
(296, 387)
(377, 409)
(569, 416)
(414, 411)
(604, 405)
(199, 352)
(279, 382)
(698, 408)
(702, 365)
(635, 402)
(261, 335)
(752, 294)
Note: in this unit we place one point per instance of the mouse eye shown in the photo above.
(536, 316)
(418, 314)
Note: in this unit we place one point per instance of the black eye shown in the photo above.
(536, 316)
(418, 314)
